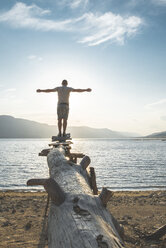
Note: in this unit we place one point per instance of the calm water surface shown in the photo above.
(119, 164)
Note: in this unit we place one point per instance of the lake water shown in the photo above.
(119, 164)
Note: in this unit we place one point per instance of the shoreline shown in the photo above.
(30, 190)
(98, 138)
(23, 224)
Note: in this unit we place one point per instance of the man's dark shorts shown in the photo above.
(63, 111)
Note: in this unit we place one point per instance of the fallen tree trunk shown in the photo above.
(77, 218)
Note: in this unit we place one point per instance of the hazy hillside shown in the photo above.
(84, 132)
(11, 127)
(157, 135)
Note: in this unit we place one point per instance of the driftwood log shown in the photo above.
(77, 218)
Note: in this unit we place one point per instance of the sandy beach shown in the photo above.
(23, 223)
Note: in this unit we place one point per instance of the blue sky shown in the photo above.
(115, 47)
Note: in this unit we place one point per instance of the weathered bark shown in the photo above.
(80, 220)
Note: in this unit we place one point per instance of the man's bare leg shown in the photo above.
(64, 126)
(60, 126)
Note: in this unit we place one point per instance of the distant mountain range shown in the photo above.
(158, 135)
(11, 127)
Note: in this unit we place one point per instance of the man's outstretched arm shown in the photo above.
(47, 90)
(82, 90)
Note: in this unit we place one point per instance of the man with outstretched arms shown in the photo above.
(63, 103)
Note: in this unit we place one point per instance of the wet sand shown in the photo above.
(23, 223)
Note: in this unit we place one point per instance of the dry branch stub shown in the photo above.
(40, 181)
(105, 196)
(93, 181)
(52, 188)
(44, 152)
(81, 220)
(85, 162)
(54, 192)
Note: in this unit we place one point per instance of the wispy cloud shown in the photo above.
(77, 3)
(159, 103)
(34, 57)
(6, 95)
(163, 118)
(159, 2)
(10, 90)
(93, 28)
(23, 16)
(142, 2)
(109, 27)
(74, 4)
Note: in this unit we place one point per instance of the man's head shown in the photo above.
(64, 82)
